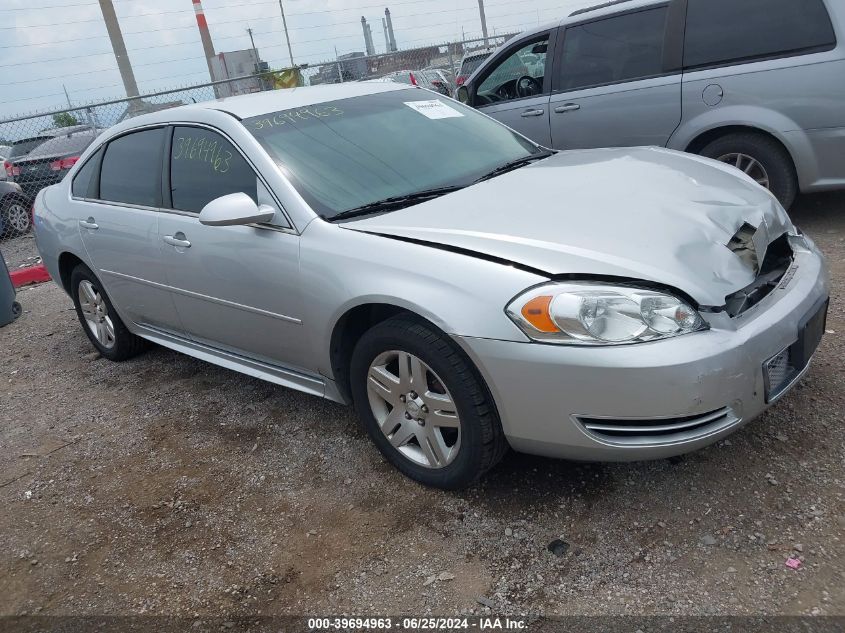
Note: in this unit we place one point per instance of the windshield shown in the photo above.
(75, 144)
(342, 155)
(19, 148)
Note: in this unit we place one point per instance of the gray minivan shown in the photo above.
(758, 84)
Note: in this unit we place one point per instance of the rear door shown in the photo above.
(236, 287)
(514, 88)
(116, 198)
(617, 80)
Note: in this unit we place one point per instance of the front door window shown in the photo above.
(520, 74)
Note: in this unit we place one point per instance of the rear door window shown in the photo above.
(131, 171)
(730, 31)
(611, 50)
(204, 166)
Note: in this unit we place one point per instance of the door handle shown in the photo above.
(177, 240)
(89, 224)
(529, 113)
(568, 107)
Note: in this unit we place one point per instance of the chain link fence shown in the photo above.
(37, 150)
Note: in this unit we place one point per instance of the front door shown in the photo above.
(514, 89)
(610, 88)
(236, 288)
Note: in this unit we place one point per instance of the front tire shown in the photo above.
(424, 405)
(99, 319)
(762, 158)
(17, 218)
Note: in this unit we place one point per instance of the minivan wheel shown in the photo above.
(99, 319)
(762, 158)
(16, 216)
(424, 405)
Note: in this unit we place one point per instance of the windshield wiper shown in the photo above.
(514, 164)
(393, 203)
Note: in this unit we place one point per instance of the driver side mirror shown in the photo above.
(540, 48)
(463, 94)
(235, 209)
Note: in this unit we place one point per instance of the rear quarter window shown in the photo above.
(726, 31)
(83, 182)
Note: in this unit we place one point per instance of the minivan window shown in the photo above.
(205, 166)
(620, 48)
(528, 61)
(131, 170)
(725, 31)
(341, 155)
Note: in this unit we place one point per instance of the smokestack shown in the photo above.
(392, 46)
(116, 37)
(368, 36)
(386, 35)
(205, 36)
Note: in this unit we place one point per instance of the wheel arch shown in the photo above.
(67, 262)
(349, 328)
(708, 136)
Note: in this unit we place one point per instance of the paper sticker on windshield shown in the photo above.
(434, 109)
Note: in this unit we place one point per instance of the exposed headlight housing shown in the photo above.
(572, 313)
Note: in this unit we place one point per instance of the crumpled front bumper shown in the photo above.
(543, 392)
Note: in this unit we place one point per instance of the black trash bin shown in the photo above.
(9, 308)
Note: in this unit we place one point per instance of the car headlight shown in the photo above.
(601, 314)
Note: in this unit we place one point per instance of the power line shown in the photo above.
(326, 55)
(237, 36)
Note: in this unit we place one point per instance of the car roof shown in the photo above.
(608, 7)
(258, 103)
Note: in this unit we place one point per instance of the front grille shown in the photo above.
(775, 264)
(656, 431)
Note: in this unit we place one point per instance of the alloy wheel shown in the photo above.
(749, 165)
(414, 409)
(17, 216)
(96, 314)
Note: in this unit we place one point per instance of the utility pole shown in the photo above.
(119, 48)
(287, 37)
(205, 37)
(483, 21)
(254, 50)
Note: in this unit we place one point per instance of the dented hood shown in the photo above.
(638, 213)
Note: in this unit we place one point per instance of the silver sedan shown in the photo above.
(465, 289)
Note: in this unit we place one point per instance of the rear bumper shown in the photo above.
(547, 395)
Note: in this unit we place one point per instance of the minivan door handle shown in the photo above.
(89, 224)
(567, 107)
(529, 113)
(177, 240)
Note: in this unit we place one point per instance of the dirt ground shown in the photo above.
(165, 485)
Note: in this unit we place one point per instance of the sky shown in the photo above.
(47, 46)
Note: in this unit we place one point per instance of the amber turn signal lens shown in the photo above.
(536, 312)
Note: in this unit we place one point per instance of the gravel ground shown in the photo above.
(165, 485)
(19, 251)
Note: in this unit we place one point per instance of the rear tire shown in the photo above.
(777, 165)
(17, 218)
(99, 319)
(457, 452)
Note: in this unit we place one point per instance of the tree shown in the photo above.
(64, 119)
